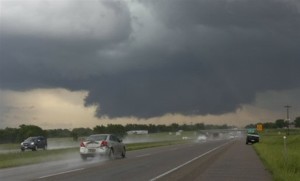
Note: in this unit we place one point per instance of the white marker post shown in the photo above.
(285, 151)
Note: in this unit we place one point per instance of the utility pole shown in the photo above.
(288, 118)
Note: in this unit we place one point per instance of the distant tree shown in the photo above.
(224, 126)
(152, 128)
(199, 126)
(99, 129)
(185, 127)
(162, 128)
(9, 135)
(250, 126)
(58, 133)
(297, 122)
(80, 132)
(174, 127)
(26, 131)
(116, 129)
(143, 127)
(74, 135)
(211, 126)
(269, 125)
(129, 127)
(280, 123)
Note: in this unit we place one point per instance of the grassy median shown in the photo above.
(283, 162)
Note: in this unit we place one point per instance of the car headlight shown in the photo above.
(22, 144)
(32, 143)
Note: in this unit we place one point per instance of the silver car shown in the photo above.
(107, 145)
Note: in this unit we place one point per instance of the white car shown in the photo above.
(202, 138)
(102, 145)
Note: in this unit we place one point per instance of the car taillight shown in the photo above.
(82, 144)
(104, 143)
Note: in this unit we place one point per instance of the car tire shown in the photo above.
(111, 154)
(34, 149)
(83, 157)
(123, 154)
(22, 150)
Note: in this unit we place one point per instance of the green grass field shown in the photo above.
(284, 165)
(14, 159)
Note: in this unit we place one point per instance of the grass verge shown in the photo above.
(284, 165)
(31, 157)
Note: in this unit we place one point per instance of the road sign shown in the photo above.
(259, 127)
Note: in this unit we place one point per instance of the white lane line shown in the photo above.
(143, 155)
(60, 173)
(182, 165)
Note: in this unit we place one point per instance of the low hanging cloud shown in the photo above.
(149, 58)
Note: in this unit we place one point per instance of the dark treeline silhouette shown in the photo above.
(14, 135)
(278, 124)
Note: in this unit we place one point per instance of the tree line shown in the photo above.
(278, 124)
(15, 135)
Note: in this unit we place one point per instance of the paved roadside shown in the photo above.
(235, 162)
(239, 162)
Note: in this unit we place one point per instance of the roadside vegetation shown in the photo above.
(13, 159)
(283, 162)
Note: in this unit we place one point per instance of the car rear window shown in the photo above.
(97, 137)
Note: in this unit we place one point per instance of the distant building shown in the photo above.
(137, 132)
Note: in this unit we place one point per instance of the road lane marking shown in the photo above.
(182, 165)
(60, 173)
(143, 155)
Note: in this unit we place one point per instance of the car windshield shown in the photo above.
(252, 131)
(30, 139)
(97, 137)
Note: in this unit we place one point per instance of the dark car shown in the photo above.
(34, 143)
(252, 137)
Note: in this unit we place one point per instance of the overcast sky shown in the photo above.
(72, 63)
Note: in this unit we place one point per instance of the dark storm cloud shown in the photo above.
(225, 13)
(191, 57)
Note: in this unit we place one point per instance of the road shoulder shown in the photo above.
(235, 161)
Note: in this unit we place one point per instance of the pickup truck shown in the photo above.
(252, 137)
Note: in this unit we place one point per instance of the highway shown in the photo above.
(214, 160)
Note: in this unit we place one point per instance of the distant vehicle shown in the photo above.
(34, 143)
(186, 138)
(201, 138)
(108, 145)
(252, 136)
(231, 137)
(137, 132)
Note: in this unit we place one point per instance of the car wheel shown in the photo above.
(22, 149)
(111, 154)
(123, 153)
(83, 157)
(34, 149)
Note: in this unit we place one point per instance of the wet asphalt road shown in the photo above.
(215, 160)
